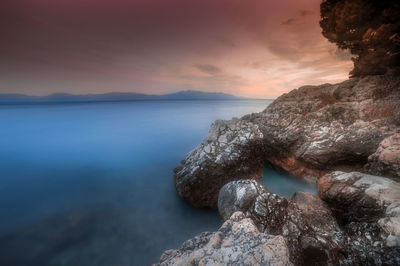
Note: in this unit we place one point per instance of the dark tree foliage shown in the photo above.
(370, 29)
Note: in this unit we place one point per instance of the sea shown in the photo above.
(92, 183)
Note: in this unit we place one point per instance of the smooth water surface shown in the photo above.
(91, 183)
(283, 184)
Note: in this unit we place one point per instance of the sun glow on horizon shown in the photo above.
(248, 48)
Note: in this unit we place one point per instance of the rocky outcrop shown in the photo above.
(368, 208)
(255, 201)
(317, 129)
(237, 242)
(354, 220)
(306, 223)
(232, 150)
(386, 159)
(307, 132)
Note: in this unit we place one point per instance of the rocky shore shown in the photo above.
(308, 132)
(345, 138)
(354, 220)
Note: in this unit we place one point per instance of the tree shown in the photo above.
(370, 29)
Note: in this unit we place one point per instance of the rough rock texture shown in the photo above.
(232, 150)
(386, 159)
(237, 242)
(313, 235)
(354, 220)
(307, 132)
(316, 129)
(255, 201)
(368, 208)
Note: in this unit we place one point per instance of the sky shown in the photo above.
(253, 48)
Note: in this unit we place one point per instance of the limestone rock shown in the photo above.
(317, 129)
(307, 224)
(266, 209)
(232, 151)
(237, 242)
(368, 208)
(307, 132)
(386, 159)
(354, 220)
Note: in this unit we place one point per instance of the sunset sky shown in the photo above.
(255, 48)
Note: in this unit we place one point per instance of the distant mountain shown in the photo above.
(199, 95)
(115, 96)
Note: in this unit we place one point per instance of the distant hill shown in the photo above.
(115, 96)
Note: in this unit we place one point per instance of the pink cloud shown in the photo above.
(240, 47)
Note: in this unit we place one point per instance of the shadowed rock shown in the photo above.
(267, 210)
(354, 220)
(312, 234)
(386, 159)
(233, 150)
(368, 207)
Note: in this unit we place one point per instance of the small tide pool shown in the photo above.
(283, 184)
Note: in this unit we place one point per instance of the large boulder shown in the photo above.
(386, 159)
(307, 132)
(368, 209)
(307, 224)
(266, 209)
(232, 151)
(237, 242)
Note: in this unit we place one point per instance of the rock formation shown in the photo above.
(232, 150)
(237, 242)
(368, 208)
(354, 221)
(386, 159)
(305, 221)
(324, 134)
(255, 201)
(307, 132)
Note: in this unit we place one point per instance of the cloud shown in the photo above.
(154, 46)
(226, 42)
(207, 68)
(289, 21)
(305, 13)
(299, 18)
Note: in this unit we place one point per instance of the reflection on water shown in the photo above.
(283, 184)
(91, 184)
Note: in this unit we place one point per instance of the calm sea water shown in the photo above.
(91, 184)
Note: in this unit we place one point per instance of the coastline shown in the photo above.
(316, 133)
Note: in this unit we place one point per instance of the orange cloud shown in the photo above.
(252, 48)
